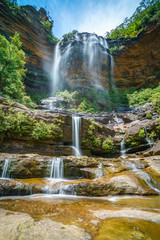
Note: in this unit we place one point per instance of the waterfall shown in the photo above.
(55, 75)
(76, 124)
(123, 150)
(5, 169)
(56, 168)
(147, 139)
(93, 57)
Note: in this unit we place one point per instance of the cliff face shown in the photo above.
(138, 65)
(33, 35)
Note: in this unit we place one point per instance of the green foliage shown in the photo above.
(153, 134)
(68, 35)
(52, 39)
(141, 133)
(14, 123)
(42, 130)
(94, 101)
(108, 145)
(37, 97)
(146, 95)
(12, 61)
(47, 25)
(149, 115)
(13, 5)
(88, 107)
(70, 97)
(97, 142)
(134, 144)
(148, 11)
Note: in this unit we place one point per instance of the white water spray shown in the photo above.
(76, 124)
(5, 169)
(56, 67)
(56, 168)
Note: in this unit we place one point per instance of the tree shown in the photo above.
(12, 71)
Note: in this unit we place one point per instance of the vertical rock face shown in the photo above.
(139, 64)
(84, 61)
(28, 23)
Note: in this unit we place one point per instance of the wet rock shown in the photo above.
(155, 150)
(22, 226)
(114, 185)
(11, 187)
(128, 213)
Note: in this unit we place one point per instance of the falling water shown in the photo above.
(123, 150)
(5, 169)
(145, 176)
(147, 139)
(76, 124)
(56, 168)
(56, 69)
(92, 52)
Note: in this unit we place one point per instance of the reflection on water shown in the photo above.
(79, 211)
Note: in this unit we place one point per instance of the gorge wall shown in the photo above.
(35, 43)
(136, 64)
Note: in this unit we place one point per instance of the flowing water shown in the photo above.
(147, 139)
(56, 168)
(92, 52)
(5, 169)
(123, 150)
(55, 75)
(76, 125)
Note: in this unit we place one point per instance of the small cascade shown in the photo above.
(76, 124)
(99, 171)
(67, 190)
(143, 175)
(147, 139)
(56, 168)
(5, 169)
(123, 149)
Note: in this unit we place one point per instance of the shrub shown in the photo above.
(14, 123)
(141, 133)
(97, 142)
(108, 145)
(149, 115)
(42, 130)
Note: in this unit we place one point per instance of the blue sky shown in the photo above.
(97, 16)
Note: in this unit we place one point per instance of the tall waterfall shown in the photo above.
(76, 124)
(56, 168)
(55, 75)
(83, 55)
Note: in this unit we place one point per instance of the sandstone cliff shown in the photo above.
(33, 35)
(138, 64)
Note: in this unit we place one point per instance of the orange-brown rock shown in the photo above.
(138, 65)
(33, 35)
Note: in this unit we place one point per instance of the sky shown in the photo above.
(94, 16)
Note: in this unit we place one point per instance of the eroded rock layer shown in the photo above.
(28, 23)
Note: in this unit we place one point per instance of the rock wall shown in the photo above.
(33, 35)
(138, 64)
